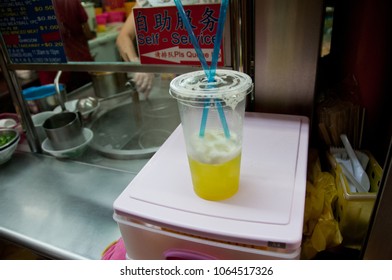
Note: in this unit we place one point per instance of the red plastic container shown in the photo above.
(116, 16)
(101, 19)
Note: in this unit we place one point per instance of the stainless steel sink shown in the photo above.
(134, 129)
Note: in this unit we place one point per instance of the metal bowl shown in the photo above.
(135, 130)
(7, 150)
(11, 134)
(43, 98)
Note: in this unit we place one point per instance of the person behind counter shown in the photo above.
(75, 33)
(126, 46)
(126, 40)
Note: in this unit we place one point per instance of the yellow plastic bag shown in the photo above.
(320, 230)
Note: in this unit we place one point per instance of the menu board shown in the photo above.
(30, 31)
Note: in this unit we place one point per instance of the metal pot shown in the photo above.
(43, 98)
(64, 130)
(107, 84)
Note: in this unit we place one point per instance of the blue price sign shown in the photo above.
(30, 31)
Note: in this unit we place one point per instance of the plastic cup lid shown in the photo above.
(33, 93)
(227, 84)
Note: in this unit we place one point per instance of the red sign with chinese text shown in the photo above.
(163, 39)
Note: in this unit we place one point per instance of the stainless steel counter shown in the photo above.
(61, 209)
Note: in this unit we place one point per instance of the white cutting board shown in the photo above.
(269, 205)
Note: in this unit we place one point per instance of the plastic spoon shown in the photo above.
(359, 172)
(354, 185)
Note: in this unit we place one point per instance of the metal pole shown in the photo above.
(19, 103)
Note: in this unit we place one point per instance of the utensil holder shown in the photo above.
(353, 210)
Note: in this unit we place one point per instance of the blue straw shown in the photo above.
(218, 39)
(192, 36)
(214, 63)
(210, 72)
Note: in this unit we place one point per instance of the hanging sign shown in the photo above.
(163, 39)
(30, 31)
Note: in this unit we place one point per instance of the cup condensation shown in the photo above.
(214, 153)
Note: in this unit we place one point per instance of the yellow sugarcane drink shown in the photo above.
(216, 181)
(215, 165)
(212, 114)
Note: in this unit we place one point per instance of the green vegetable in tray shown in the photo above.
(4, 139)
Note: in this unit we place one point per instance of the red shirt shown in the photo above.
(70, 16)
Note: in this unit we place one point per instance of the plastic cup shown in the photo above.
(214, 158)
